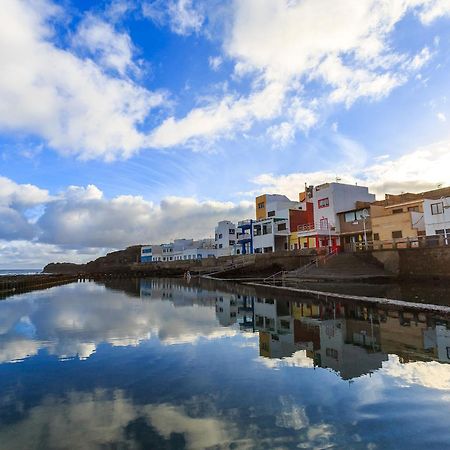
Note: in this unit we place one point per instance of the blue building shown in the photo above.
(146, 254)
(245, 237)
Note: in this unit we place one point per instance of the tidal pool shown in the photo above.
(162, 364)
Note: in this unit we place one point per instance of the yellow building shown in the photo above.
(397, 222)
(260, 204)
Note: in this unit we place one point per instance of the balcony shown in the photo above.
(322, 227)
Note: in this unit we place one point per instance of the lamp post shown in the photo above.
(445, 206)
(364, 216)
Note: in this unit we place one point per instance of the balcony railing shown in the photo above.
(318, 226)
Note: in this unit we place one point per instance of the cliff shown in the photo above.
(111, 262)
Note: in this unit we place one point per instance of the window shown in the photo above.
(267, 229)
(220, 236)
(397, 234)
(271, 214)
(437, 208)
(281, 227)
(353, 216)
(261, 205)
(413, 208)
(268, 250)
(215, 237)
(376, 236)
(324, 202)
(332, 353)
(220, 245)
(231, 242)
(397, 211)
(146, 250)
(324, 223)
(231, 231)
(443, 232)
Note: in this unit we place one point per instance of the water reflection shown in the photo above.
(350, 338)
(165, 364)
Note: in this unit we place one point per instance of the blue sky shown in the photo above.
(140, 121)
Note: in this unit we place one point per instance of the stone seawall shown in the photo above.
(16, 284)
(432, 263)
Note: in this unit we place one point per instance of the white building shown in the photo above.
(179, 250)
(279, 205)
(436, 215)
(330, 199)
(270, 235)
(225, 238)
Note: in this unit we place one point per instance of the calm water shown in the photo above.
(159, 364)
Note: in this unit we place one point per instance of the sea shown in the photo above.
(9, 272)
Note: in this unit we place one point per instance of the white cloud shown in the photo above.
(69, 101)
(282, 134)
(428, 374)
(111, 49)
(15, 199)
(421, 169)
(80, 223)
(220, 118)
(22, 195)
(98, 419)
(82, 218)
(181, 15)
(215, 62)
(76, 324)
(441, 117)
(345, 46)
(434, 9)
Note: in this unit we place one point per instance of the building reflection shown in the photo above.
(349, 338)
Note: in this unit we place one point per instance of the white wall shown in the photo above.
(281, 205)
(264, 240)
(437, 221)
(341, 197)
(223, 243)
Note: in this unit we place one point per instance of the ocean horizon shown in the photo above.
(6, 272)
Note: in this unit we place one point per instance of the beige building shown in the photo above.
(397, 222)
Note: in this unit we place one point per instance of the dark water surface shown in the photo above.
(152, 364)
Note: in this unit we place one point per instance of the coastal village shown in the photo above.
(331, 218)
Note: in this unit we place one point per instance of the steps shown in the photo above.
(342, 266)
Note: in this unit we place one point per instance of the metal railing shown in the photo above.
(318, 226)
(399, 243)
(273, 278)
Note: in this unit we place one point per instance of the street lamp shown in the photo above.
(445, 206)
(364, 215)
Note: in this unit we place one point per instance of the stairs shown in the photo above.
(341, 267)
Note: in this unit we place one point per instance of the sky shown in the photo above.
(130, 122)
